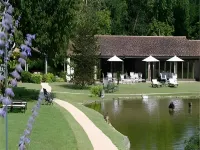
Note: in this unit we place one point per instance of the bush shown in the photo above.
(49, 77)
(62, 75)
(58, 79)
(26, 76)
(96, 90)
(36, 78)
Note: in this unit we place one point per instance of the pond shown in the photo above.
(149, 124)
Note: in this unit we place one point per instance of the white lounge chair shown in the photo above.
(122, 78)
(155, 83)
(173, 82)
(109, 75)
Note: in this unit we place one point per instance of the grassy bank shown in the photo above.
(76, 96)
(53, 127)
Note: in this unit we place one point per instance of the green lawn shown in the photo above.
(54, 128)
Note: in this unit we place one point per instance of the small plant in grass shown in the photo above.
(96, 90)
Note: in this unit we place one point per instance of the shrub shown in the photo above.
(62, 75)
(96, 90)
(49, 77)
(26, 76)
(36, 78)
(58, 79)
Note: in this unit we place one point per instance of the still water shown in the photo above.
(150, 125)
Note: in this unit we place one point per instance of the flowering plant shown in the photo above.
(6, 48)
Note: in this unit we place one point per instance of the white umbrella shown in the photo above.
(149, 60)
(114, 59)
(175, 59)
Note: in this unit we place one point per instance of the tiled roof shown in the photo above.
(147, 45)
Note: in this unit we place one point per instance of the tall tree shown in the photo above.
(52, 22)
(85, 49)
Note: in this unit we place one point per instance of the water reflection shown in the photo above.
(150, 125)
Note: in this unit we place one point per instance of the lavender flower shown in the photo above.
(19, 68)
(13, 83)
(2, 77)
(1, 52)
(30, 36)
(27, 140)
(6, 101)
(22, 146)
(26, 132)
(15, 74)
(3, 35)
(22, 61)
(9, 92)
(23, 55)
(2, 44)
(2, 112)
(10, 10)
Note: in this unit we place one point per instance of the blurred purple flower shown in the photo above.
(31, 120)
(19, 68)
(13, 83)
(26, 132)
(3, 35)
(9, 92)
(22, 61)
(6, 101)
(2, 77)
(2, 112)
(1, 52)
(15, 74)
(7, 45)
(22, 146)
(10, 10)
(27, 140)
(29, 126)
(25, 48)
(23, 55)
(30, 36)
(2, 44)
(35, 113)
(28, 43)
(17, 23)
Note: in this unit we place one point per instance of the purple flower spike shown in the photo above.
(22, 146)
(10, 10)
(3, 35)
(35, 113)
(1, 52)
(2, 77)
(6, 101)
(28, 43)
(14, 83)
(31, 120)
(19, 68)
(29, 126)
(22, 61)
(23, 55)
(9, 92)
(27, 140)
(15, 74)
(2, 44)
(2, 112)
(26, 132)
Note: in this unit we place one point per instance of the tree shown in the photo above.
(85, 51)
(52, 21)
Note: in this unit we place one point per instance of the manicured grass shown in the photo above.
(68, 92)
(54, 128)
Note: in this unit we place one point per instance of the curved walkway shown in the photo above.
(98, 139)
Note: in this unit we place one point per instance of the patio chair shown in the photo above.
(155, 83)
(122, 78)
(109, 75)
(140, 77)
(173, 82)
(136, 76)
(48, 97)
(132, 76)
